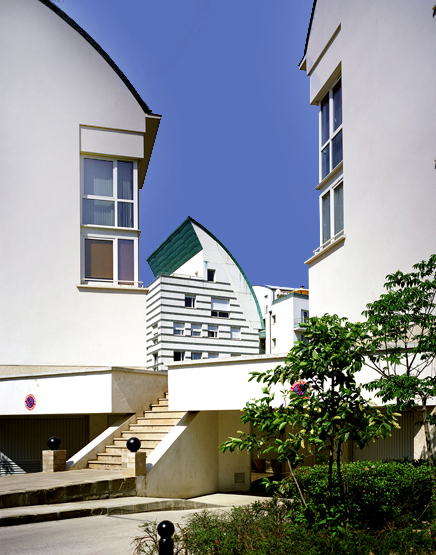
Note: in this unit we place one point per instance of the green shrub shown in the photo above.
(267, 527)
(378, 492)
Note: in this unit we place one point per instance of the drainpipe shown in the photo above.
(269, 325)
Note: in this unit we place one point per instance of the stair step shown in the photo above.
(146, 433)
(107, 457)
(96, 465)
(159, 408)
(161, 414)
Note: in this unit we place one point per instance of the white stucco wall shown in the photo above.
(81, 391)
(217, 384)
(386, 51)
(52, 82)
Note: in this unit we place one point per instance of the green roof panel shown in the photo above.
(178, 248)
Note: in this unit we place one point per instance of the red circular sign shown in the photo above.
(30, 402)
(299, 387)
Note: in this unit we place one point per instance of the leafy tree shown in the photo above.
(329, 412)
(403, 346)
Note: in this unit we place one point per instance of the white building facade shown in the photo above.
(284, 311)
(75, 144)
(370, 68)
(201, 304)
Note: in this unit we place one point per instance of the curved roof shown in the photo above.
(100, 50)
(181, 246)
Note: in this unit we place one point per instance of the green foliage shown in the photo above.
(269, 527)
(331, 413)
(378, 493)
(403, 340)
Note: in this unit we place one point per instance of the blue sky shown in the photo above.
(237, 148)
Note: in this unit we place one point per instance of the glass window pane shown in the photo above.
(339, 208)
(125, 214)
(326, 217)
(126, 260)
(337, 105)
(325, 131)
(98, 177)
(195, 330)
(98, 259)
(325, 161)
(98, 212)
(195, 356)
(337, 149)
(125, 180)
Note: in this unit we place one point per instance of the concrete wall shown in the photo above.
(218, 384)
(191, 464)
(385, 52)
(52, 83)
(81, 391)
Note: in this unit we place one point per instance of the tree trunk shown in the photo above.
(430, 454)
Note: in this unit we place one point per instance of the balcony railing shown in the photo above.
(299, 321)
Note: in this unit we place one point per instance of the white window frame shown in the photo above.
(213, 355)
(235, 333)
(197, 328)
(330, 192)
(106, 235)
(114, 198)
(193, 301)
(178, 328)
(213, 274)
(212, 331)
(217, 312)
(182, 356)
(332, 132)
(196, 353)
(110, 233)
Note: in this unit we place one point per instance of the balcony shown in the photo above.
(299, 323)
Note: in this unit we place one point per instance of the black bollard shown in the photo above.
(165, 530)
(54, 443)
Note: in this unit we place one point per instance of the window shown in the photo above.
(179, 356)
(273, 318)
(110, 259)
(109, 202)
(195, 330)
(274, 342)
(154, 332)
(210, 275)
(189, 301)
(212, 355)
(304, 315)
(221, 308)
(178, 328)
(212, 331)
(195, 356)
(331, 130)
(235, 333)
(106, 204)
(332, 213)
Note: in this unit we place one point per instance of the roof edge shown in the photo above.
(300, 65)
(237, 264)
(100, 50)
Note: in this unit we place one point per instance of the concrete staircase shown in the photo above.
(150, 429)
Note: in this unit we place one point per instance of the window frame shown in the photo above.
(213, 274)
(182, 356)
(179, 328)
(193, 301)
(212, 331)
(114, 238)
(219, 313)
(113, 233)
(196, 353)
(238, 334)
(198, 327)
(333, 132)
(329, 194)
(114, 198)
